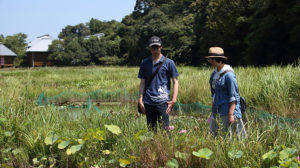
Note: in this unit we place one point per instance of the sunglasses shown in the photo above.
(155, 47)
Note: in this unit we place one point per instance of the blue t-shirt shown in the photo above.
(158, 91)
(226, 91)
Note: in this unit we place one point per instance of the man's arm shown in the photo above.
(174, 97)
(141, 92)
(232, 106)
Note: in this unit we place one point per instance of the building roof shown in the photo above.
(99, 35)
(40, 44)
(4, 51)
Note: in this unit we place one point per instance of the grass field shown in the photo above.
(52, 136)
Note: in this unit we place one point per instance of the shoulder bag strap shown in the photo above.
(223, 73)
(156, 71)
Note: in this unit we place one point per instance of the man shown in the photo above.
(154, 96)
(225, 94)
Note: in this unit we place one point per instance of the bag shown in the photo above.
(243, 105)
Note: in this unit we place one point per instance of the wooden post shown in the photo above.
(2, 61)
(32, 59)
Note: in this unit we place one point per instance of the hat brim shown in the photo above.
(152, 44)
(216, 57)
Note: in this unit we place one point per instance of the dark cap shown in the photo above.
(154, 40)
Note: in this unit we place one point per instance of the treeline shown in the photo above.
(252, 32)
(16, 43)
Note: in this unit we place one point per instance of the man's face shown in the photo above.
(155, 49)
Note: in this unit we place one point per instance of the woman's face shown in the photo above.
(213, 62)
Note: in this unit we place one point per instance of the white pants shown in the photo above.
(226, 128)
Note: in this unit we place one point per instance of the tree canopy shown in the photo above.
(252, 32)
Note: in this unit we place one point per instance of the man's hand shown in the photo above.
(231, 119)
(170, 106)
(142, 106)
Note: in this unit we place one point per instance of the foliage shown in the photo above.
(282, 156)
(203, 153)
(17, 44)
(262, 32)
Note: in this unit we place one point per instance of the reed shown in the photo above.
(25, 126)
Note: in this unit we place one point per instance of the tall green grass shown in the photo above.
(24, 126)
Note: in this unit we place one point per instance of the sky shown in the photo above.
(39, 17)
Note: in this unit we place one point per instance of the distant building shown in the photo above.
(38, 51)
(7, 56)
(99, 35)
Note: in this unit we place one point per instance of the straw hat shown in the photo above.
(216, 52)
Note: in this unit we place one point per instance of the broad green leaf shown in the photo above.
(172, 163)
(17, 151)
(63, 144)
(106, 152)
(80, 141)
(8, 133)
(138, 134)
(73, 149)
(68, 152)
(7, 150)
(87, 136)
(203, 153)
(41, 166)
(114, 129)
(285, 153)
(294, 165)
(43, 158)
(123, 162)
(235, 154)
(181, 155)
(99, 135)
(285, 163)
(51, 139)
(132, 158)
(35, 161)
(81, 163)
(269, 155)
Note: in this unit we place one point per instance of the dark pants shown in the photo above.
(157, 113)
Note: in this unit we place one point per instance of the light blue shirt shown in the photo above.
(226, 91)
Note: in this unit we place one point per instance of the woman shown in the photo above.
(225, 95)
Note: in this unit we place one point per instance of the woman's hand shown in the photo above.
(231, 119)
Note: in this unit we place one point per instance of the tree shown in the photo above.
(16, 43)
(79, 30)
(274, 37)
(69, 52)
(96, 49)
